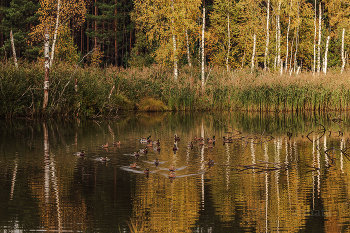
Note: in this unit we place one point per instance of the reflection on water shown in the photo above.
(278, 173)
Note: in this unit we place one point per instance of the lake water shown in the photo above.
(282, 172)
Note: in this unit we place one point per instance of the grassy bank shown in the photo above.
(154, 89)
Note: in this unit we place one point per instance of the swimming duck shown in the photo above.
(210, 162)
(211, 140)
(105, 145)
(175, 148)
(228, 140)
(103, 159)
(146, 171)
(201, 142)
(81, 154)
(156, 142)
(136, 154)
(172, 168)
(144, 151)
(176, 138)
(172, 175)
(190, 145)
(156, 162)
(117, 143)
(144, 140)
(134, 165)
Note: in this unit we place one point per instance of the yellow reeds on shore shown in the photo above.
(103, 91)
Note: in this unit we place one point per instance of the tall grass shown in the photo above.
(154, 89)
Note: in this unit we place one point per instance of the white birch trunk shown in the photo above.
(188, 50)
(288, 29)
(342, 52)
(47, 68)
(13, 49)
(315, 37)
(55, 34)
(253, 54)
(229, 41)
(174, 42)
(319, 41)
(202, 46)
(267, 35)
(296, 41)
(278, 34)
(325, 59)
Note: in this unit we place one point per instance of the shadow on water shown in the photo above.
(271, 172)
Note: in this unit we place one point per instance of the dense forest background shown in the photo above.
(271, 34)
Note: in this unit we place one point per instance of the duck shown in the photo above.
(210, 145)
(210, 162)
(81, 154)
(211, 140)
(144, 140)
(175, 148)
(134, 165)
(157, 148)
(105, 145)
(228, 140)
(176, 138)
(146, 171)
(172, 168)
(144, 151)
(156, 142)
(103, 159)
(201, 142)
(190, 145)
(172, 175)
(116, 143)
(136, 154)
(156, 162)
(197, 138)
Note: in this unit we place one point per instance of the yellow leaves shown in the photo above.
(96, 57)
(160, 21)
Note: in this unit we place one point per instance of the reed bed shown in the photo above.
(103, 91)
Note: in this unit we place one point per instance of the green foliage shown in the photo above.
(104, 91)
(18, 17)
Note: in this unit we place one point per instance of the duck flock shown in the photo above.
(156, 146)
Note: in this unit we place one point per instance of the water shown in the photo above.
(274, 176)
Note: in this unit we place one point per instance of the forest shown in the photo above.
(270, 34)
(158, 55)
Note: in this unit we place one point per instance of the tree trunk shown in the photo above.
(267, 35)
(296, 41)
(47, 69)
(278, 37)
(288, 29)
(319, 41)
(253, 54)
(229, 41)
(95, 45)
(315, 37)
(342, 52)
(188, 50)
(325, 59)
(115, 38)
(202, 46)
(13, 49)
(174, 41)
(55, 34)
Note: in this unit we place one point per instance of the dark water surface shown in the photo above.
(285, 173)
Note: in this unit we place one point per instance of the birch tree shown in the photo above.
(267, 34)
(202, 49)
(166, 25)
(58, 16)
(319, 40)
